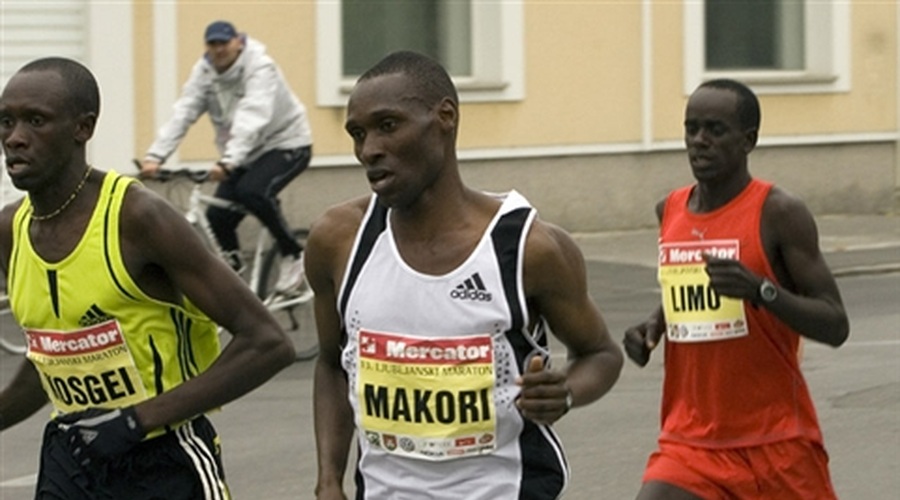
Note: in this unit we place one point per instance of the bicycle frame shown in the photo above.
(292, 310)
(284, 306)
(196, 215)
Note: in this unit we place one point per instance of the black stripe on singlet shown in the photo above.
(375, 225)
(182, 327)
(543, 466)
(157, 371)
(106, 236)
(157, 367)
(53, 284)
(507, 238)
(185, 325)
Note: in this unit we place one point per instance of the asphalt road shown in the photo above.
(269, 447)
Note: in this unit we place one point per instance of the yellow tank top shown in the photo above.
(95, 338)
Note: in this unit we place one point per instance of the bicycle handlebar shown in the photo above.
(163, 175)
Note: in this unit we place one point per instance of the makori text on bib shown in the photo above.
(427, 398)
(694, 311)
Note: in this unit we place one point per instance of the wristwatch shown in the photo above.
(767, 291)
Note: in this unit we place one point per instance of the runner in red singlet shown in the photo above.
(742, 280)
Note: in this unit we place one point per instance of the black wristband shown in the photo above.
(101, 433)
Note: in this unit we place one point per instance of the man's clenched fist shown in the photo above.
(101, 433)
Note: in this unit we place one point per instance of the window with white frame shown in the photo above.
(479, 43)
(776, 46)
(81, 30)
(31, 30)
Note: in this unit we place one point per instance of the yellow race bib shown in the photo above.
(694, 311)
(85, 368)
(427, 398)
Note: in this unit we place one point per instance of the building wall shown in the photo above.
(619, 191)
(597, 139)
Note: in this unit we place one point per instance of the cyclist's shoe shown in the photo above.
(290, 275)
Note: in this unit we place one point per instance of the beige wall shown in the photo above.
(143, 76)
(870, 106)
(619, 191)
(583, 88)
(287, 29)
(582, 82)
(668, 71)
(583, 76)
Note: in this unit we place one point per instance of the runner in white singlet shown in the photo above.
(433, 301)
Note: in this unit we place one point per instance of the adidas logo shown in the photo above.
(88, 435)
(94, 316)
(471, 289)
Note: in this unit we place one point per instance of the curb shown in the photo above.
(892, 267)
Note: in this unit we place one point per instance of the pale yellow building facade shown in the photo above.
(579, 105)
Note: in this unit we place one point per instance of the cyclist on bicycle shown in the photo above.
(262, 134)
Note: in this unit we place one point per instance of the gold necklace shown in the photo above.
(68, 201)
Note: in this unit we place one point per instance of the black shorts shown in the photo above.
(183, 464)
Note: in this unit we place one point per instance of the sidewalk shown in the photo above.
(852, 244)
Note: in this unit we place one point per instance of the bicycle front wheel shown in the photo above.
(294, 311)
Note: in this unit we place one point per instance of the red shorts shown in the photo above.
(793, 469)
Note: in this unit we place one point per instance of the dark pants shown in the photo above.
(183, 464)
(256, 187)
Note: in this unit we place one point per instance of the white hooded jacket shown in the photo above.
(251, 107)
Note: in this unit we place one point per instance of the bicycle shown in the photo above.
(292, 310)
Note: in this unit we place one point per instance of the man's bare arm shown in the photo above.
(556, 284)
(22, 397)
(810, 301)
(328, 248)
(155, 234)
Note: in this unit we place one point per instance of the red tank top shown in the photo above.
(733, 391)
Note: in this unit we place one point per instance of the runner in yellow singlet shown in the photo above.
(118, 299)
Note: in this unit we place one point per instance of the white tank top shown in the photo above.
(431, 363)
